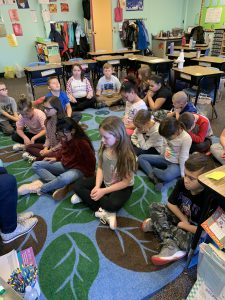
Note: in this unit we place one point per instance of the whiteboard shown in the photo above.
(213, 15)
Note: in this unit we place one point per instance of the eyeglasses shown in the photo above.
(47, 108)
(4, 89)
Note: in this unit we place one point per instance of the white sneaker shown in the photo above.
(75, 199)
(107, 217)
(28, 156)
(24, 216)
(18, 147)
(29, 188)
(21, 229)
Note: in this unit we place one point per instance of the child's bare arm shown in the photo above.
(177, 212)
(13, 117)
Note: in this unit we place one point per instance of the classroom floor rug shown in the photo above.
(79, 257)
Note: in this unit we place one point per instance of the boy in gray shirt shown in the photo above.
(8, 111)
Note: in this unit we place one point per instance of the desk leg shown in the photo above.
(198, 91)
(196, 238)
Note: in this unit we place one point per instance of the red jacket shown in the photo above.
(199, 133)
(77, 154)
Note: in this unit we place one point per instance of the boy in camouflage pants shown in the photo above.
(177, 222)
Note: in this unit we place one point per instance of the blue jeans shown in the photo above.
(55, 175)
(159, 166)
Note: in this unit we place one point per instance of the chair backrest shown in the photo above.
(207, 52)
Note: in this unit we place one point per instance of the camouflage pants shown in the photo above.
(165, 224)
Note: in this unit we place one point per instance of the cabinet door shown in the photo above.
(102, 24)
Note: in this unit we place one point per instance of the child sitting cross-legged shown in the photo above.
(108, 87)
(8, 111)
(169, 165)
(199, 129)
(75, 159)
(146, 138)
(30, 127)
(134, 103)
(176, 222)
(112, 186)
(181, 105)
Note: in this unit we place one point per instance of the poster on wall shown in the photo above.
(33, 16)
(134, 5)
(52, 8)
(9, 2)
(64, 7)
(22, 4)
(2, 30)
(12, 41)
(17, 29)
(13, 14)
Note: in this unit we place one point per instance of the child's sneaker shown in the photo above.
(24, 216)
(21, 229)
(19, 147)
(107, 217)
(147, 225)
(60, 194)
(28, 156)
(29, 188)
(169, 253)
(75, 199)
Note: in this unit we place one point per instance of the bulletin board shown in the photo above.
(212, 15)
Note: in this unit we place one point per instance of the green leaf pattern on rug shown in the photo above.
(99, 119)
(67, 213)
(5, 140)
(143, 194)
(21, 170)
(26, 201)
(74, 256)
(93, 134)
(86, 117)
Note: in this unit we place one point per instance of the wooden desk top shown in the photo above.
(43, 67)
(211, 59)
(149, 59)
(186, 54)
(110, 57)
(198, 71)
(215, 185)
(80, 62)
(98, 53)
(197, 46)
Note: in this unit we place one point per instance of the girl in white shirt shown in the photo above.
(79, 90)
(129, 92)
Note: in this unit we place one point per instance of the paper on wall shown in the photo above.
(46, 15)
(2, 30)
(213, 15)
(12, 41)
(33, 16)
(13, 14)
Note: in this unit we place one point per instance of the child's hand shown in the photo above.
(223, 154)
(150, 93)
(33, 140)
(183, 225)
(50, 159)
(44, 152)
(97, 194)
(27, 141)
(89, 96)
(72, 99)
(178, 110)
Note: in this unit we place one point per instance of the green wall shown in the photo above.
(24, 52)
(159, 15)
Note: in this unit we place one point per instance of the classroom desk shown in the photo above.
(194, 75)
(67, 65)
(217, 186)
(43, 71)
(188, 56)
(186, 48)
(211, 61)
(156, 64)
(112, 52)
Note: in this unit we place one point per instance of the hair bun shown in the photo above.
(22, 96)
